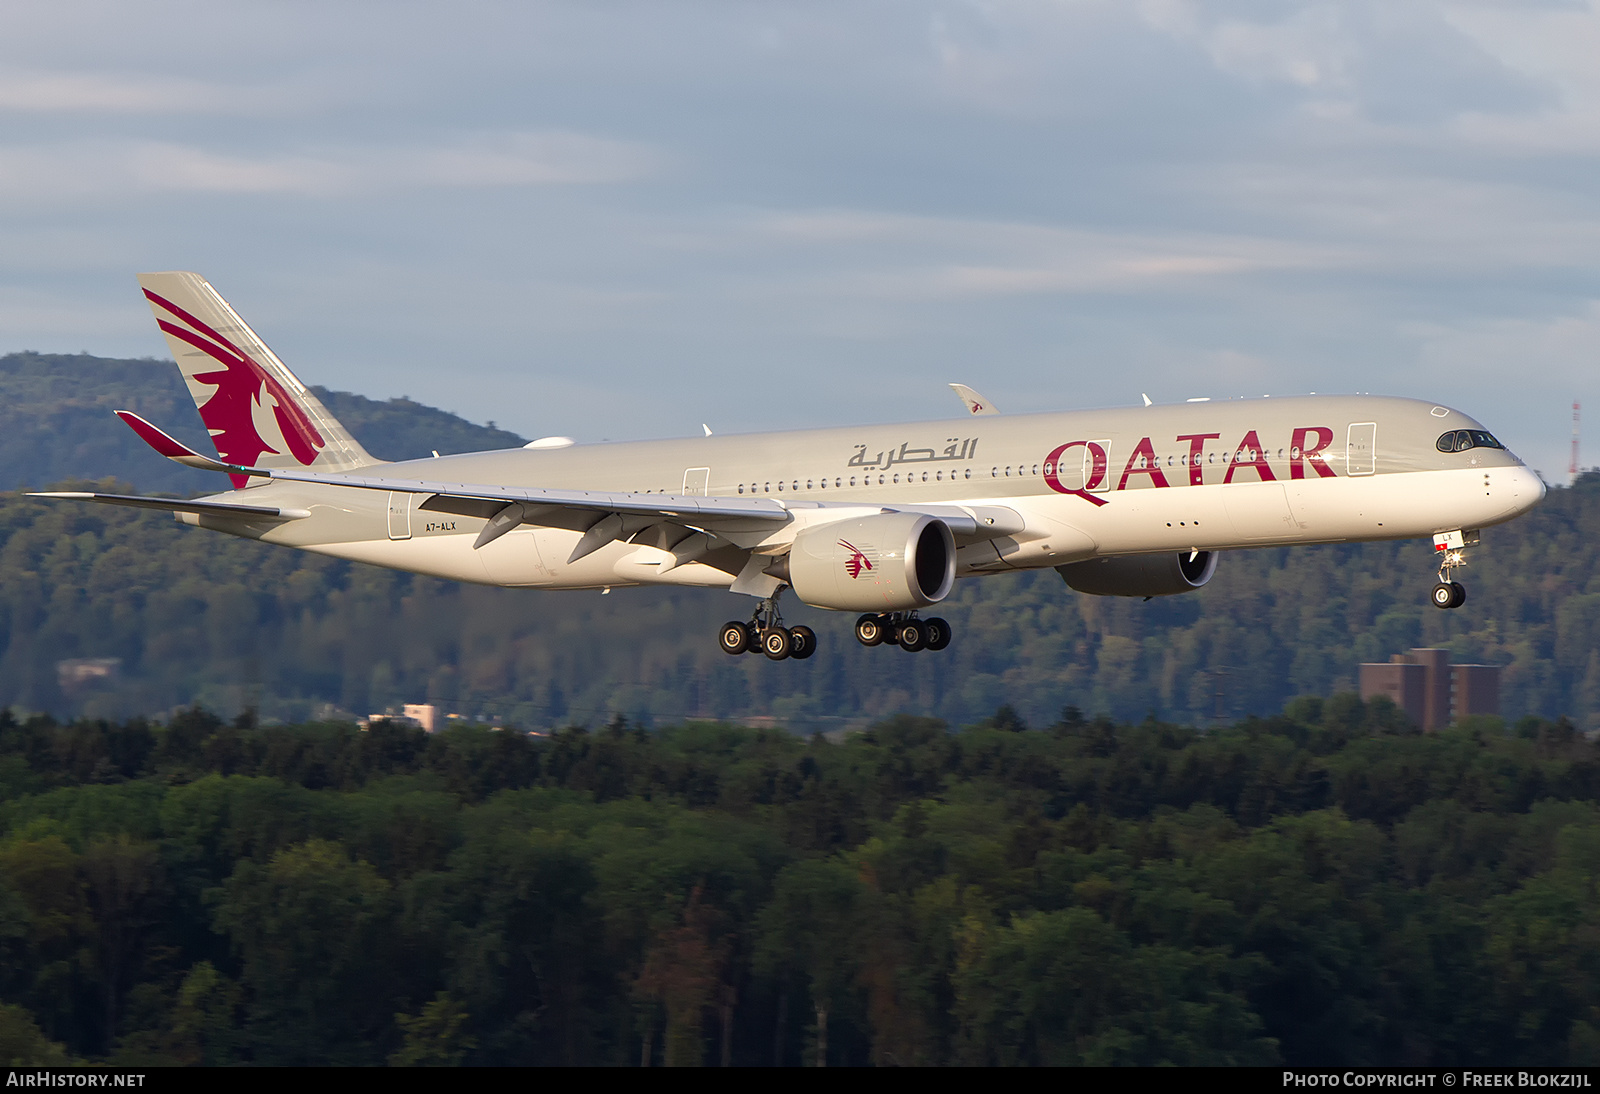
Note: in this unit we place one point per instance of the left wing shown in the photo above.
(601, 516)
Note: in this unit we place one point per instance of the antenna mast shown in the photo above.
(1573, 470)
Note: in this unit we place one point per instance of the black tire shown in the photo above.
(1444, 595)
(1461, 594)
(938, 632)
(775, 643)
(870, 630)
(802, 642)
(912, 635)
(734, 637)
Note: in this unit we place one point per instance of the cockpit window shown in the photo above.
(1462, 439)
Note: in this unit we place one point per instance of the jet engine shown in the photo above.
(885, 563)
(1141, 575)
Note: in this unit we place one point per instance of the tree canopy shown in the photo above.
(196, 617)
(1323, 887)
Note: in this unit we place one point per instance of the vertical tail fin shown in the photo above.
(258, 413)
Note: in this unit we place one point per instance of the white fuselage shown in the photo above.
(1210, 476)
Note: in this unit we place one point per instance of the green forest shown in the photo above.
(1323, 887)
(196, 617)
(193, 617)
(1146, 845)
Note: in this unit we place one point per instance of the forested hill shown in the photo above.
(56, 423)
(199, 617)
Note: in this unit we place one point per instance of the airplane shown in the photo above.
(879, 520)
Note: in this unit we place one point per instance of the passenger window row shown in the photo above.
(786, 486)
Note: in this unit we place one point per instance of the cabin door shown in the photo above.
(399, 515)
(695, 480)
(1361, 456)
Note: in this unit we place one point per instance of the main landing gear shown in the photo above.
(766, 633)
(903, 629)
(1451, 547)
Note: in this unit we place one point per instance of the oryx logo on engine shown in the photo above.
(857, 561)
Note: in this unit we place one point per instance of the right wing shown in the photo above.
(975, 403)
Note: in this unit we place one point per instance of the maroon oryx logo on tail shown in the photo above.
(242, 386)
(857, 561)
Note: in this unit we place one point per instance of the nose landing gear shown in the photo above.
(1451, 549)
(766, 633)
(1449, 594)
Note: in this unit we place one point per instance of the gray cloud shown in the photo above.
(624, 219)
(72, 171)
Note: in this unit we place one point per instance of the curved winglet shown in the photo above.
(975, 403)
(176, 450)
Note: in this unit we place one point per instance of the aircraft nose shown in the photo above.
(1527, 488)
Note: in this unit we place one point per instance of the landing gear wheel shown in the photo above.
(938, 632)
(870, 630)
(1461, 593)
(911, 635)
(775, 643)
(1449, 594)
(734, 637)
(802, 642)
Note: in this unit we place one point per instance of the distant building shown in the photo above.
(1433, 692)
(422, 715)
(1403, 683)
(1475, 689)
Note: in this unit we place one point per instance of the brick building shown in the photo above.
(1433, 692)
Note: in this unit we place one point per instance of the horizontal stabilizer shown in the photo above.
(176, 450)
(179, 505)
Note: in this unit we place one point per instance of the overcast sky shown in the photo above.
(611, 219)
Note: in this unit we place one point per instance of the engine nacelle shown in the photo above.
(891, 562)
(1140, 575)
